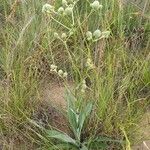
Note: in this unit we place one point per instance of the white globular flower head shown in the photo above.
(64, 3)
(47, 8)
(89, 35)
(65, 74)
(97, 33)
(83, 86)
(96, 5)
(83, 82)
(70, 1)
(68, 10)
(64, 36)
(106, 34)
(53, 67)
(60, 10)
(60, 72)
(56, 35)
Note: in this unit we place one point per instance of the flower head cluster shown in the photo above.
(96, 35)
(61, 73)
(96, 5)
(66, 8)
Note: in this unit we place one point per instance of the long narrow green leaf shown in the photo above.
(61, 136)
(84, 114)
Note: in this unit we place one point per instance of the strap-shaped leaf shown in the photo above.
(73, 117)
(61, 136)
(84, 114)
(70, 99)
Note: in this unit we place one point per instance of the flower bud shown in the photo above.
(47, 8)
(97, 33)
(89, 35)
